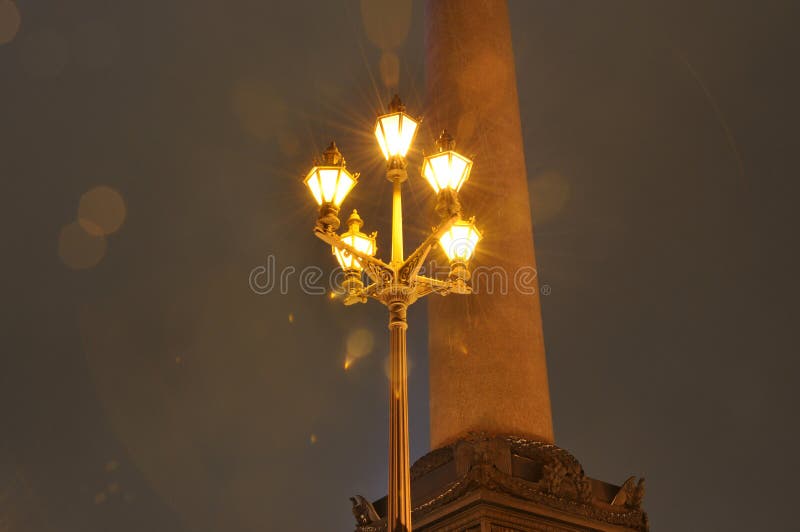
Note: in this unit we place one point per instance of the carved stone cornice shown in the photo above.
(554, 479)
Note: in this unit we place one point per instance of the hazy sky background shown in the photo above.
(144, 386)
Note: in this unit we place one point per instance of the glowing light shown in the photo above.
(460, 240)
(347, 363)
(312, 439)
(78, 249)
(330, 182)
(395, 131)
(332, 294)
(446, 169)
(291, 318)
(355, 238)
(101, 211)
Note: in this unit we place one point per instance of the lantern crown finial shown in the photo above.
(354, 222)
(332, 156)
(396, 105)
(445, 142)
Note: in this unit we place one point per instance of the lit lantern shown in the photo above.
(356, 239)
(330, 181)
(460, 240)
(446, 169)
(395, 131)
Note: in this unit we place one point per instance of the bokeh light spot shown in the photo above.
(312, 439)
(389, 67)
(291, 318)
(359, 343)
(9, 21)
(101, 211)
(78, 249)
(386, 22)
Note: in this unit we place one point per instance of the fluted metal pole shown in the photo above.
(399, 507)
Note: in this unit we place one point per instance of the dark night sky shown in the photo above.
(155, 391)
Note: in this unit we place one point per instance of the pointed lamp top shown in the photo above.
(445, 142)
(332, 156)
(396, 105)
(354, 222)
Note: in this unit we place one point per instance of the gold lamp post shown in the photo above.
(397, 284)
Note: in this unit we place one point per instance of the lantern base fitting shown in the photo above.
(353, 288)
(447, 204)
(328, 217)
(459, 275)
(396, 169)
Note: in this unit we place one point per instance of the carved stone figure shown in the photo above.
(363, 511)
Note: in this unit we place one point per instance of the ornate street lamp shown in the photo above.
(446, 171)
(329, 183)
(397, 284)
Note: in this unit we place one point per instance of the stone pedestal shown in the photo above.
(505, 484)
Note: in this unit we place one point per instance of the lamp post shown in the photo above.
(397, 284)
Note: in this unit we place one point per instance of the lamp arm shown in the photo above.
(411, 266)
(376, 269)
(427, 285)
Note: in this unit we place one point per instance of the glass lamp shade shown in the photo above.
(355, 238)
(446, 169)
(460, 240)
(395, 132)
(330, 184)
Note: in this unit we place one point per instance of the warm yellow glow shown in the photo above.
(355, 238)
(446, 169)
(330, 184)
(395, 132)
(460, 240)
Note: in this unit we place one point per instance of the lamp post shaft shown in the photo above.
(397, 223)
(399, 508)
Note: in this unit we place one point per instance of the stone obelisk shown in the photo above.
(487, 359)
